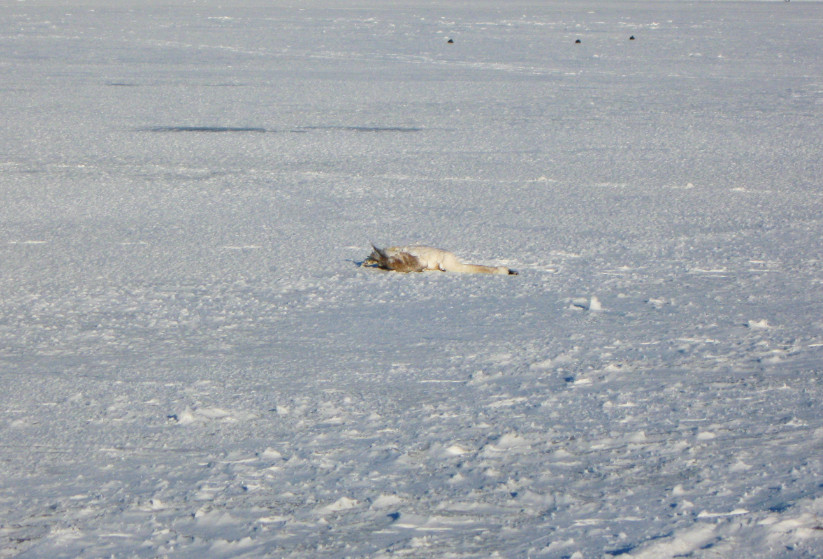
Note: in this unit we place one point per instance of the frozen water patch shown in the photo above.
(206, 129)
(256, 129)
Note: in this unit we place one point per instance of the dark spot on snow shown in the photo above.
(202, 129)
(621, 550)
(394, 516)
(255, 129)
(450, 41)
(780, 507)
(568, 379)
(631, 38)
(577, 42)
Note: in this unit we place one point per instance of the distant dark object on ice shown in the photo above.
(577, 42)
(210, 129)
(450, 41)
(631, 38)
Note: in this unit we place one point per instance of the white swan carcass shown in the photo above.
(422, 258)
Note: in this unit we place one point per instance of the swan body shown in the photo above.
(422, 258)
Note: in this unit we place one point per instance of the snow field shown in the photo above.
(195, 364)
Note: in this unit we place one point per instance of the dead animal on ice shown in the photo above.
(422, 258)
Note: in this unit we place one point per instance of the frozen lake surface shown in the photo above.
(195, 365)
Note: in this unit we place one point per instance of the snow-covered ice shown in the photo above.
(194, 364)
